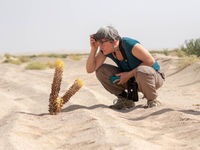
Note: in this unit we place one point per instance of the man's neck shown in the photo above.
(116, 49)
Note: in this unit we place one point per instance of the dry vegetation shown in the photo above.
(30, 62)
(184, 59)
(188, 53)
(39, 66)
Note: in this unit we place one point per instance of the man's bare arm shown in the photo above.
(94, 62)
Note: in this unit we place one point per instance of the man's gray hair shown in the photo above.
(107, 32)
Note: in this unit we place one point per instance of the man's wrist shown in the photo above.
(94, 49)
(132, 73)
(93, 53)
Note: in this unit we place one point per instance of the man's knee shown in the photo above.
(100, 72)
(106, 70)
(145, 70)
(144, 74)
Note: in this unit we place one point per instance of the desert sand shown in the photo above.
(86, 122)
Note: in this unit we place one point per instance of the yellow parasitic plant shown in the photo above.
(72, 90)
(54, 104)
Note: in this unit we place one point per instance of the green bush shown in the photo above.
(32, 56)
(166, 52)
(57, 55)
(13, 61)
(36, 66)
(192, 47)
(8, 56)
(40, 66)
(75, 57)
(180, 53)
(50, 65)
(187, 60)
(24, 59)
(17, 60)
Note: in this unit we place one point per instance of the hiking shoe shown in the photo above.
(153, 103)
(122, 103)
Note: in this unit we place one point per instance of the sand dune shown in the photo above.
(86, 122)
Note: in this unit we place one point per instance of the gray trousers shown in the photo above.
(147, 78)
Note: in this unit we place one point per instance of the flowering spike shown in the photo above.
(53, 105)
(72, 90)
(59, 64)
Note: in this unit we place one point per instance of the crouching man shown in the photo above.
(135, 66)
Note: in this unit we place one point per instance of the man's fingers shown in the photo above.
(117, 80)
(119, 83)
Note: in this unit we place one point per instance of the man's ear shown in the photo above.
(115, 42)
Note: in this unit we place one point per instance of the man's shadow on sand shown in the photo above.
(76, 107)
(165, 110)
(159, 112)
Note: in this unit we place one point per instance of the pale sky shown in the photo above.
(56, 25)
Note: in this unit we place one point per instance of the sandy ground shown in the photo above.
(86, 122)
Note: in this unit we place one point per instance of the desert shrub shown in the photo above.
(75, 57)
(32, 56)
(24, 59)
(42, 55)
(191, 47)
(36, 66)
(8, 56)
(166, 52)
(180, 53)
(18, 60)
(40, 66)
(187, 60)
(57, 55)
(155, 52)
(13, 61)
(50, 65)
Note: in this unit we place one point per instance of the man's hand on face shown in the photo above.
(93, 43)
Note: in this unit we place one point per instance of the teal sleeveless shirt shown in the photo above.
(134, 62)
